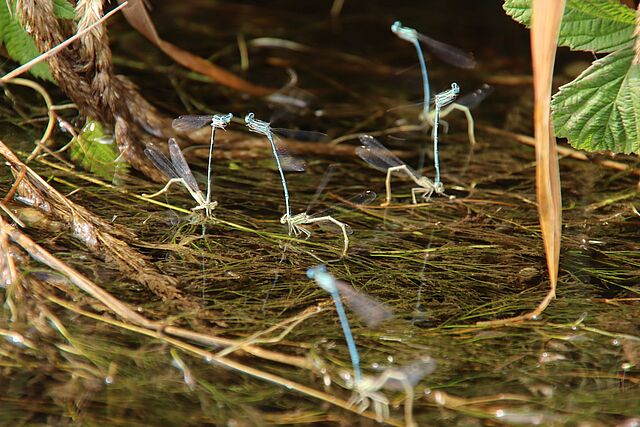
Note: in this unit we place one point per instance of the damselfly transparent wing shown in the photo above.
(379, 157)
(366, 308)
(300, 135)
(160, 161)
(181, 166)
(449, 54)
(328, 224)
(417, 104)
(191, 122)
(364, 198)
(473, 99)
(292, 97)
(287, 161)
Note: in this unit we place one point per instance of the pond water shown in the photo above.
(441, 266)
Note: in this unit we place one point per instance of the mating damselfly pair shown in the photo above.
(178, 171)
(444, 102)
(366, 388)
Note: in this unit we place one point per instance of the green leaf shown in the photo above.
(3, 21)
(96, 151)
(595, 25)
(600, 110)
(19, 44)
(63, 9)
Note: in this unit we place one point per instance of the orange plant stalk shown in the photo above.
(545, 26)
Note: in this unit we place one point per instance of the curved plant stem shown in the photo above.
(50, 110)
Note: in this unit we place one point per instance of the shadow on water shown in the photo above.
(441, 266)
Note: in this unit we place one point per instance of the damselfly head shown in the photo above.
(257, 126)
(405, 33)
(313, 271)
(221, 120)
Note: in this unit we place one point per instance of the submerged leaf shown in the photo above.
(595, 25)
(600, 110)
(96, 151)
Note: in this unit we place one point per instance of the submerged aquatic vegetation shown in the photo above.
(466, 268)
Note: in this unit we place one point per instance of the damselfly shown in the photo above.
(403, 378)
(442, 99)
(296, 223)
(465, 104)
(450, 54)
(178, 171)
(379, 157)
(369, 310)
(216, 121)
(282, 157)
